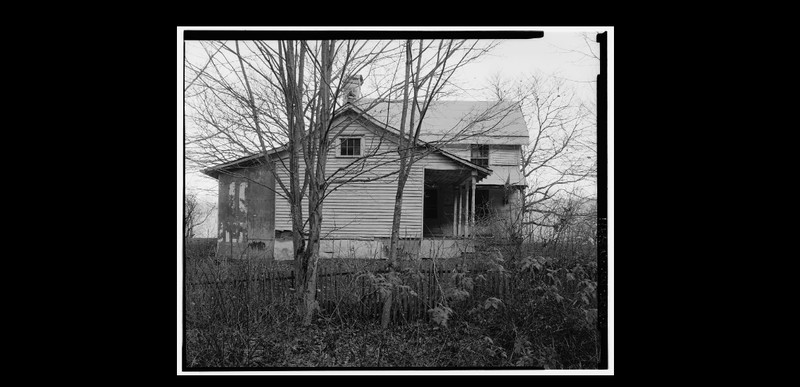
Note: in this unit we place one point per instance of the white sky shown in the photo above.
(512, 59)
(547, 55)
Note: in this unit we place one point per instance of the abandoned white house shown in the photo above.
(469, 168)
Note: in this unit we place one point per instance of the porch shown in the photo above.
(457, 206)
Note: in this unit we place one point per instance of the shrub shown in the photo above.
(527, 310)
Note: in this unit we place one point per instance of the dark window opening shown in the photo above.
(350, 147)
(430, 205)
(480, 155)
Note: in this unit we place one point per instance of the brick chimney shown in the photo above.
(352, 88)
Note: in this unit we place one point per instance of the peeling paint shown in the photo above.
(246, 213)
(242, 201)
(232, 194)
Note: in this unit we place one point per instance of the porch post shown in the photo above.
(454, 212)
(460, 210)
(457, 213)
(461, 197)
(466, 206)
(472, 214)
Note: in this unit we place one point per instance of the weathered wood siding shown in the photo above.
(362, 200)
(246, 207)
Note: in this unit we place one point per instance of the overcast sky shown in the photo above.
(552, 54)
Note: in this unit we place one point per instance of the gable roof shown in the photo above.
(461, 122)
(394, 131)
(452, 122)
(253, 159)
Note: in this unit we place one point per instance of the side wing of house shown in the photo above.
(246, 210)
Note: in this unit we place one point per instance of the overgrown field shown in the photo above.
(498, 309)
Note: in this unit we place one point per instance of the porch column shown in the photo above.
(472, 213)
(466, 206)
(461, 198)
(456, 209)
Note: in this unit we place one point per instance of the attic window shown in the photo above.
(350, 147)
(480, 155)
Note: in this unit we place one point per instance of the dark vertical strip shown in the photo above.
(361, 298)
(183, 240)
(602, 200)
(336, 288)
(420, 295)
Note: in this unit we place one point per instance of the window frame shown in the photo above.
(360, 147)
(472, 150)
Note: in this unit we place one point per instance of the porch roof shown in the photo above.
(446, 177)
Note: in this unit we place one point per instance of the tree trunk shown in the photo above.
(398, 210)
(315, 154)
(404, 151)
(395, 238)
(311, 259)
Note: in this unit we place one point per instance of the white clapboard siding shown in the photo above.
(358, 209)
(498, 154)
(283, 214)
(437, 161)
(504, 155)
(460, 150)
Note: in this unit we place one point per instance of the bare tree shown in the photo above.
(271, 97)
(193, 215)
(562, 151)
(429, 67)
(568, 224)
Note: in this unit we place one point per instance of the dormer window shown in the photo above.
(350, 147)
(480, 155)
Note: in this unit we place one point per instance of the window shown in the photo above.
(350, 147)
(430, 207)
(480, 155)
